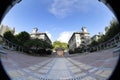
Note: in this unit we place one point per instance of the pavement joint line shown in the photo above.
(50, 68)
(71, 73)
(44, 65)
(93, 70)
(79, 66)
(28, 72)
(88, 78)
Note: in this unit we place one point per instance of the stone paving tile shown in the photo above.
(26, 70)
(19, 78)
(13, 74)
(77, 70)
(72, 67)
(63, 68)
(81, 65)
(88, 78)
(99, 72)
(46, 67)
(31, 78)
(41, 64)
(43, 71)
(37, 66)
(98, 63)
(39, 75)
(80, 74)
(86, 67)
(59, 75)
(20, 72)
(104, 73)
(92, 70)
(32, 68)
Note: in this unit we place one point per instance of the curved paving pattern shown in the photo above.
(61, 68)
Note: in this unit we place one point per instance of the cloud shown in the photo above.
(49, 35)
(65, 36)
(63, 8)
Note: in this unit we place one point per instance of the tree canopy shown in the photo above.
(9, 36)
(112, 30)
(37, 44)
(58, 44)
(22, 37)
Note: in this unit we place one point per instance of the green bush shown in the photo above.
(71, 52)
(78, 50)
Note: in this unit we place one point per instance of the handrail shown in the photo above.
(9, 42)
(104, 43)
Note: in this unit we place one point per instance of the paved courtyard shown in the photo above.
(92, 66)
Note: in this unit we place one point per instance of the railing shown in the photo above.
(108, 44)
(10, 45)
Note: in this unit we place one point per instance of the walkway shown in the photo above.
(95, 66)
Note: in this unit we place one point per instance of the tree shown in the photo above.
(58, 44)
(22, 37)
(9, 36)
(64, 45)
(37, 44)
(113, 30)
(94, 43)
(47, 45)
(101, 40)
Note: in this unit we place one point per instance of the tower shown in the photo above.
(84, 29)
(35, 30)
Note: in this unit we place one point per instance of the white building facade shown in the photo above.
(97, 37)
(79, 39)
(35, 34)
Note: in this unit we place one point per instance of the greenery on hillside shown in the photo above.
(58, 44)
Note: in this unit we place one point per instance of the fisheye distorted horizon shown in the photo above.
(59, 18)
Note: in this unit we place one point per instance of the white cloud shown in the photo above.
(49, 35)
(65, 36)
(63, 8)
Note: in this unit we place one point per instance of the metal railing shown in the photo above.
(108, 44)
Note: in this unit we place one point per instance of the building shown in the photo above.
(5, 28)
(97, 37)
(79, 39)
(35, 34)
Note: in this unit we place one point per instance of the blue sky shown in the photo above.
(59, 18)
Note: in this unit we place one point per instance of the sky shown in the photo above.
(59, 18)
